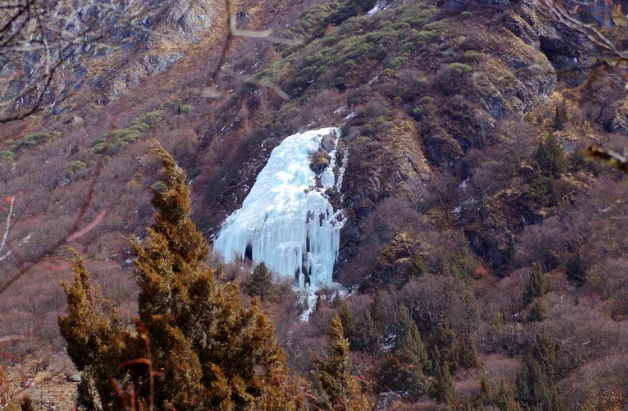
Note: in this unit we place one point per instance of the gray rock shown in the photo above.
(328, 143)
(75, 377)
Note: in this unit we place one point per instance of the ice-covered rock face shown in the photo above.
(286, 220)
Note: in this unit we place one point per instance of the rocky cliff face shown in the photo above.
(123, 43)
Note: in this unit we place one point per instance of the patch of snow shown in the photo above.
(286, 221)
(374, 10)
(341, 172)
(388, 342)
(308, 297)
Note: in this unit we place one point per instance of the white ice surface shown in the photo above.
(287, 221)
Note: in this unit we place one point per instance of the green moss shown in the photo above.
(171, 104)
(138, 126)
(30, 141)
(121, 138)
(186, 108)
(460, 69)
(397, 62)
(362, 140)
(355, 41)
(472, 55)
(423, 37)
(75, 166)
(151, 118)
(99, 148)
(440, 25)
(7, 156)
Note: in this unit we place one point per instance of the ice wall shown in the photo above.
(286, 220)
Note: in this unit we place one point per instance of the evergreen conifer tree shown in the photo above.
(443, 388)
(260, 283)
(365, 334)
(535, 286)
(211, 352)
(466, 352)
(337, 388)
(346, 318)
(502, 398)
(402, 369)
(416, 268)
(377, 313)
(537, 311)
(442, 344)
(535, 388)
(549, 157)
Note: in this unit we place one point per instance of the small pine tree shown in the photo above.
(503, 398)
(561, 117)
(535, 286)
(549, 157)
(466, 352)
(484, 396)
(365, 334)
(416, 268)
(443, 388)
(377, 313)
(402, 370)
(346, 318)
(576, 271)
(260, 283)
(442, 344)
(535, 388)
(537, 311)
(337, 388)
(542, 189)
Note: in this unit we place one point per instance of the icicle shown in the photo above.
(286, 221)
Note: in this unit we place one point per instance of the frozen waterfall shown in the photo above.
(286, 219)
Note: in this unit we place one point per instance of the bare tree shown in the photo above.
(37, 37)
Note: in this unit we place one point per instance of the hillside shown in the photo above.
(452, 194)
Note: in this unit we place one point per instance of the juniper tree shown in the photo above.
(549, 157)
(537, 311)
(535, 285)
(442, 342)
(443, 389)
(535, 388)
(465, 351)
(260, 283)
(336, 388)
(416, 268)
(402, 369)
(365, 334)
(346, 318)
(502, 398)
(210, 351)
